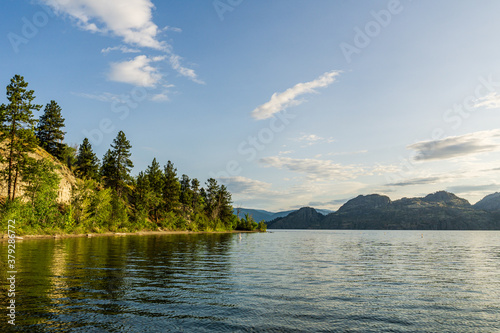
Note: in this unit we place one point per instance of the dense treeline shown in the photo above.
(106, 197)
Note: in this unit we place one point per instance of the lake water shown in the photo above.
(282, 281)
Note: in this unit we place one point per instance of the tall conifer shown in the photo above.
(49, 130)
(17, 131)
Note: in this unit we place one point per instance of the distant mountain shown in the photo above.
(489, 203)
(259, 214)
(438, 211)
(304, 218)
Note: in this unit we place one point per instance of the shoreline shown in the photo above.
(5, 237)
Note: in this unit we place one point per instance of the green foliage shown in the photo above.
(116, 165)
(87, 163)
(40, 181)
(48, 131)
(171, 188)
(17, 131)
(102, 200)
(249, 224)
(217, 201)
(69, 155)
(155, 184)
(262, 226)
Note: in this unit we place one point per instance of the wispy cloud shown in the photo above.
(417, 181)
(101, 97)
(137, 71)
(243, 185)
(335, 202)
(315, 169)
(312, 139)
(474, 188)
(121, 48)
(281, 101)
(490, 101)
(184, 71)
(164, 95)
(457, 146)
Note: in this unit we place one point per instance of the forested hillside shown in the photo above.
(49, 187)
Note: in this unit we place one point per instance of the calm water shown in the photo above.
(284, 281)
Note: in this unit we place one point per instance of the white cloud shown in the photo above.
(101, 97)
(174, 29)
(490, 101)
(121, 48)
(312, 139)
(129, 19)
(137, 71)
(281, 101)
(315, 169)
(164, 95)
(457, 146)
(187, 72)
(243, 185)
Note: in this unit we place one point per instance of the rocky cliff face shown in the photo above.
(65, 185)
(438, 211)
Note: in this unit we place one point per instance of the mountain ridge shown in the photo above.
(437, 211)
(260, 214)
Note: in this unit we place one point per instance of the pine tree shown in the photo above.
(86, 161)
(211, 198)
(17, 131)
(117, 164)
(171, 188)
(143, 198)
(155, 181)
(186, 196)
(108, 169)
(196, 200)
(49, 131)
(224, 202)
(218, 202)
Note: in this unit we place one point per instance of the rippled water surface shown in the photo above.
(284, 281)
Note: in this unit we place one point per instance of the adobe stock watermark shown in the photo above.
(253, 144)
(30, 28)
(223, 6)
(453, 117)
(364, 36)
(11, 272)
(122, 106)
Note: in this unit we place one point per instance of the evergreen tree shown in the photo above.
(225, 208)
(196, 200)
(86, 161)
(117, 164)
(171, 188)
(49, 131)
(186, 196)
(218, 202)
(108, 168)
(69, 155)
(17, 131)
(155, 181)
(211, 197)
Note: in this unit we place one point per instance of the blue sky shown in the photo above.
(289, 103)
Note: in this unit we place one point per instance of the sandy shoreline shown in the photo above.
(5, 237)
